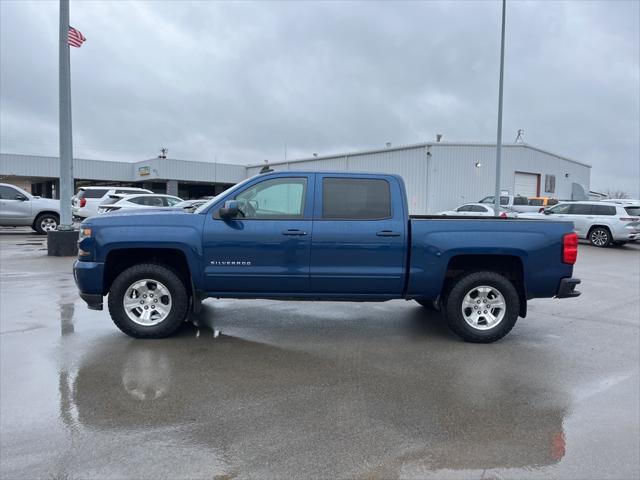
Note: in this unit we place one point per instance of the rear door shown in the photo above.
(581, 214)
(359, 236)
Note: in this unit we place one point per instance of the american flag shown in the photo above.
(75, 38)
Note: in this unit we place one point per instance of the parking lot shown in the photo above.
(266, 389)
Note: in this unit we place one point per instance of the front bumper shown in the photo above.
(88, 277)
(567, 288)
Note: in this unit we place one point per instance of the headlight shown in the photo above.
(84, 233)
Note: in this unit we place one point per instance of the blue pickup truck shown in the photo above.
(321, 236)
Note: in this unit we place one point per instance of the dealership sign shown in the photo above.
(143, 171)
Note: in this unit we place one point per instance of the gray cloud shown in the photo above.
(236, 81)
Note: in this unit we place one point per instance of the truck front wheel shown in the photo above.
(482, 307)
(148, 301)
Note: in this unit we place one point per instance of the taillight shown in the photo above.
(503, 215)
(569, 248)
(83, 202)
(541, 210)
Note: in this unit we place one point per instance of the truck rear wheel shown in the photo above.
(148, 301)
(482, 307)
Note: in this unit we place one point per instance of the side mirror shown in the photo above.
(20, 197)
(230, 209)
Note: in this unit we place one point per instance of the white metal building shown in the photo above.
(440, 175)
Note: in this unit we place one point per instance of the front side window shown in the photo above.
(8, 193)
(520, 201)
(465, 208)
(563, 208)
(356, 199)
(273, 199)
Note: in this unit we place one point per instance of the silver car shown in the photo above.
(602, 223)
(19, 208)
(478, 210)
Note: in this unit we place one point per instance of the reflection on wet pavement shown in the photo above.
(260, 389)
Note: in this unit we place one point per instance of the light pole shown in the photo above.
(499, 140)
(66, 146)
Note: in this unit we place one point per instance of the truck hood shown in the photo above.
(143, 216)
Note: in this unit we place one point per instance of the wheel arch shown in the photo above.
(118, 260)
(510, 266)
(44, 212)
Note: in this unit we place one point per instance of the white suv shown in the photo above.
(602, 223)
(85, 203)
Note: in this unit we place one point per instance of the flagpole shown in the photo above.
(66, 143)
(496, 199)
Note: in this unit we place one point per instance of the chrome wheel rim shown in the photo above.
(599, 237)
(483, 307)
(147, 302)
(48, 224)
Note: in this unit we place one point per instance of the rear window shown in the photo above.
(92, 193)
(356, 199)
(603, 210)
(111, 200)
(634, 211)
(127, 190)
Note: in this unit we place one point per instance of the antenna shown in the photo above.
(520, 136)
(163, 152)
(388, 144)
(315, 155)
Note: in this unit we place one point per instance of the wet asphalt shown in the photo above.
(266, 389)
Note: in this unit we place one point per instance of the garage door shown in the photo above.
(526, 184)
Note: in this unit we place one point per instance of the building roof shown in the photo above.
(421, 145)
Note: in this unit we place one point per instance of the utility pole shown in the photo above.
(66, 145)
(496, 207)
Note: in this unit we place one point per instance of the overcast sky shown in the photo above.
(237, 81)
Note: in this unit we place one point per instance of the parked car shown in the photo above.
(19, 208)
(85, 203)
(479, 209)
(146, 200)
(602, 223)
(320, 236)
(522, 204)
(191, 205)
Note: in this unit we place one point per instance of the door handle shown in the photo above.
(388, 233)
(294, 232)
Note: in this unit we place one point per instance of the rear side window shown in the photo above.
(536, 202)
(603, 210)
(356, 199)
(634, 211)
(147, 201)
(93, 193)
(466, 208)
(580, 209)
(478, 208)
(552, 201)
(519, 201)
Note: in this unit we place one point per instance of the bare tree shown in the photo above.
(612, 193)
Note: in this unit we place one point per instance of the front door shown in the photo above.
(265, 249)
(15, 208)
(359, 236)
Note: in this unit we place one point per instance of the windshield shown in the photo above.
(206, 206)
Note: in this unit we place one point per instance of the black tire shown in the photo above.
(600, 237)
(45, 218)
(429, 304)
(455, 318)
(160, 273)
